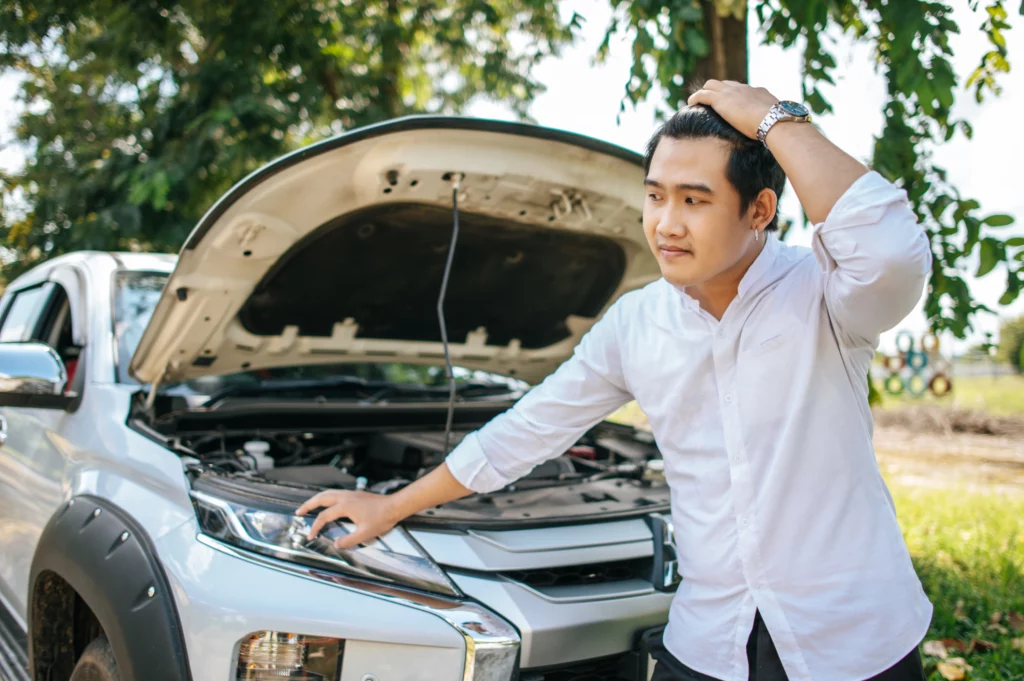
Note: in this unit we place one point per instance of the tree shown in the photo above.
(1011, 343)
(141, 113)
(678, 41)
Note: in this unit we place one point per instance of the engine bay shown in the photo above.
(612, 471)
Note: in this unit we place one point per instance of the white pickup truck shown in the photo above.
(162, 417)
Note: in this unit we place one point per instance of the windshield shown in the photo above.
(137, 293)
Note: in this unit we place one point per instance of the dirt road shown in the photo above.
(942, 448)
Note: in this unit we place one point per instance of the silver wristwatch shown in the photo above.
(783, 111)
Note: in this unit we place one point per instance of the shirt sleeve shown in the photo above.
(876, 259)
(550, 418)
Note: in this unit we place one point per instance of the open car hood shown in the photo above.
(334, 254)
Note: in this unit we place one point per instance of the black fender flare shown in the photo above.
(109, 560)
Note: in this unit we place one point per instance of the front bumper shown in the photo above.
(223, 595)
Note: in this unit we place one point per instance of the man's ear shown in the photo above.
(763, 208)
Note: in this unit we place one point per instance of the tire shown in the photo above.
(97, 663)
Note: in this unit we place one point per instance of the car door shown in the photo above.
(32, 453)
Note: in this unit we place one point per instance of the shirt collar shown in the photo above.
(761, 266)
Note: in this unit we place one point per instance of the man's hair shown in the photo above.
(751, 167)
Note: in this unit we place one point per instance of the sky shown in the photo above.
(584, 97)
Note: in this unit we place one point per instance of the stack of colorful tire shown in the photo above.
(917, 368)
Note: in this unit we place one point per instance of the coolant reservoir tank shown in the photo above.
(654, 470)
(258, 450)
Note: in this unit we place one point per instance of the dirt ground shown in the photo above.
(942, 447)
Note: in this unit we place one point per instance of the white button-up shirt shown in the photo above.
(763, 422)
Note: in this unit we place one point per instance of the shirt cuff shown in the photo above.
(864, 203)
(469, 465)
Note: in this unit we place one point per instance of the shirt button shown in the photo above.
(744, 521)
(728, 398)
(735, 458)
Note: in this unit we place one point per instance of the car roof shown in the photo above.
(141, 262)
(151, 262)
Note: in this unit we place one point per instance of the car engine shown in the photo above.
(611, 469)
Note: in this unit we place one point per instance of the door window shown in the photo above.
(23, 314)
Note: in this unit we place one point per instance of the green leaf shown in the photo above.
(1007, 299)
(1015, 241)
(161, 186)
(139, 193)
(695, 42)
(874, 396)
(817, 102)
(996, 12)
(939, 206)
(691, 13)
(972, 229)
(998, 220)
(963, 208)
(992, 253)
(945, 96)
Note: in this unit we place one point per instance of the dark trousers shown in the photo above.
(765, 664)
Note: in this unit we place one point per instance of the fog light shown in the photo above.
(280, 656)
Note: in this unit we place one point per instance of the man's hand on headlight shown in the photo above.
(375, 514)
(372, 514)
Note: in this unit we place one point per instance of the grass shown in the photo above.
(994, 394)
(968, 548)
(630, 414)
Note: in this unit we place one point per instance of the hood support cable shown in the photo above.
(455, 179)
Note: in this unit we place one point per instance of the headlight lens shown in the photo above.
(274, 530)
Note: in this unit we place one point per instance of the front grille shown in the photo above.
(577, 575)
(618, 668)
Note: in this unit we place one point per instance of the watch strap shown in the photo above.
(774, 115)
(770, 119)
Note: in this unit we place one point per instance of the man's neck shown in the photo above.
(716, 294)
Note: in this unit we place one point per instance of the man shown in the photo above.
(750, 358)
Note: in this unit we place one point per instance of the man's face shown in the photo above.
(692, 215)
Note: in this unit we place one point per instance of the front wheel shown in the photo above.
(97, 663)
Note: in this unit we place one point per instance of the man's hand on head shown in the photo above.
(819, 171)
(742, 106)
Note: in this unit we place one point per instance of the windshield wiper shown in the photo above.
(369, 391)
(276, 386)
(465, 390)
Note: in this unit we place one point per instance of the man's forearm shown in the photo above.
(819, 171)
(436, 488)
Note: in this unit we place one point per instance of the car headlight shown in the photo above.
(273, 529)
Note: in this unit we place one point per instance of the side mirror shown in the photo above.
(32, 375)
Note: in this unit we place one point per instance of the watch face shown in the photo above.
(794, 108)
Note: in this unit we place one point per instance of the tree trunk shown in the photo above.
(727, 37)
(391, 59)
